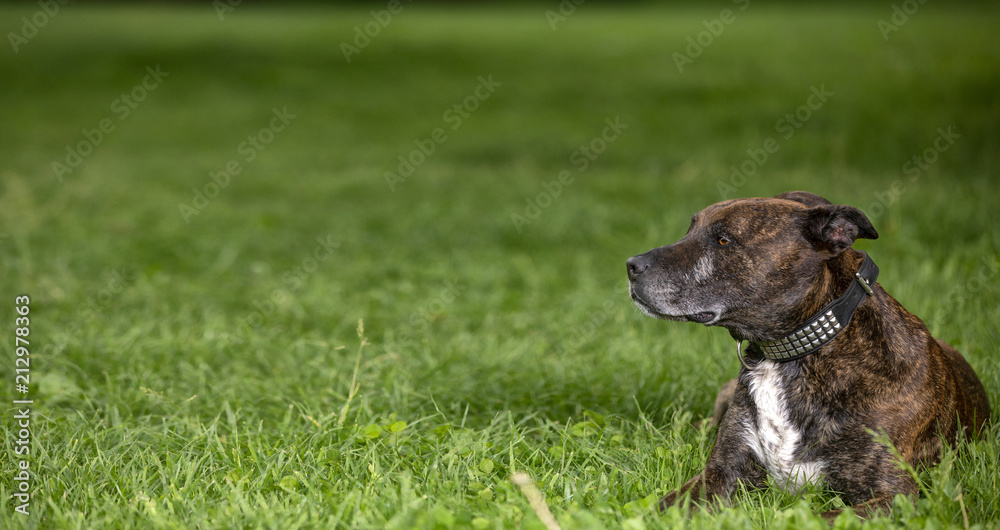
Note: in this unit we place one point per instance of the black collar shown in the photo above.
(825, 325)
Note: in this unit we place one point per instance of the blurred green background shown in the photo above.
(204, 202)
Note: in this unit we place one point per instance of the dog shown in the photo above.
(833, 363)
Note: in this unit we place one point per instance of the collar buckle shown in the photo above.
(864, 283)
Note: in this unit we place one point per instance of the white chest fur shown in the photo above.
(775, 440)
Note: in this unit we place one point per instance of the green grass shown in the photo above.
(210, 373)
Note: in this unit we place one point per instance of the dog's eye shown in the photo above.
(723, 241)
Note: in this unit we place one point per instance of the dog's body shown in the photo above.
(763, 267)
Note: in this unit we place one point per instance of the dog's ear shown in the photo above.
(804, 197)
(835, 227)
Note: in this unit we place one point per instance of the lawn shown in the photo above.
(322, 268)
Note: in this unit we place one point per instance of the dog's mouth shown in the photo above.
(702, 317)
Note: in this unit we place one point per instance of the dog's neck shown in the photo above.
(831, 319)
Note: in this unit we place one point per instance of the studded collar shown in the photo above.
(828, 323)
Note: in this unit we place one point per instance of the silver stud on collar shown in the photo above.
(810, 337)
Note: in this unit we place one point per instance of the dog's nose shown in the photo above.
(636, 265)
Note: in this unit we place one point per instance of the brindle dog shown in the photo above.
(764, 267)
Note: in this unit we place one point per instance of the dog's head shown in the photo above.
(749, 265)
